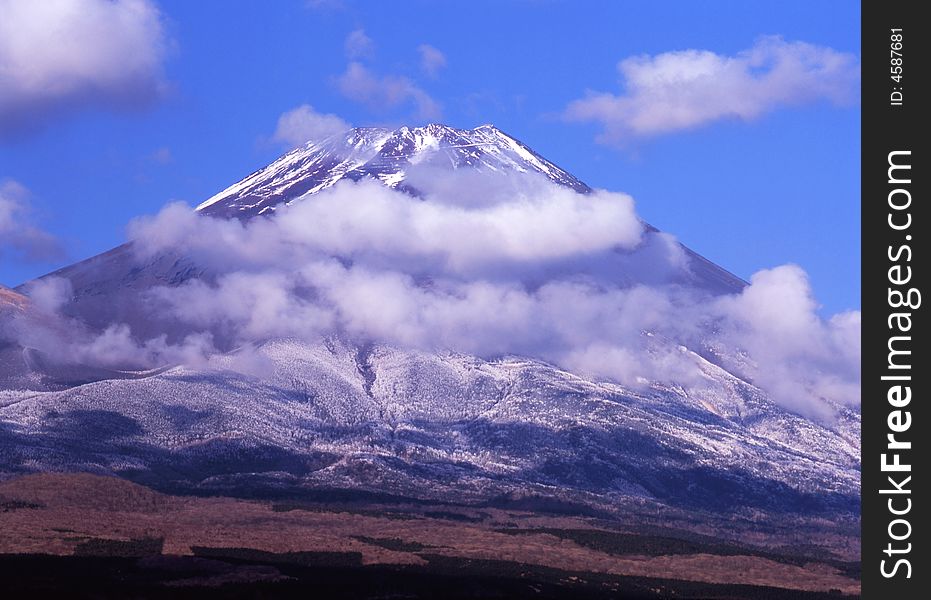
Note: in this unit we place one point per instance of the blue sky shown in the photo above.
(749, 193)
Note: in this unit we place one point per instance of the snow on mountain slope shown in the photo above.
(434, 426)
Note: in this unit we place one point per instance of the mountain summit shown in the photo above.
(384, 155)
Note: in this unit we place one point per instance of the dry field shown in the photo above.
(88, 515)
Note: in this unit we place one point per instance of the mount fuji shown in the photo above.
(377, 419)
(384, 155)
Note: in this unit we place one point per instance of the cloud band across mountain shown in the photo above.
(536, 274)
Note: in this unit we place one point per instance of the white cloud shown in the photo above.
(58, 56)
(368, 221)
(359, 45)
(17, 232)
(686, 89)
(432, 61)
(303, 124)
(116, 347)
(796, 355)
(360, 84)
(49, 294)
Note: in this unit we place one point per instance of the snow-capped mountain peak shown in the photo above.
(382, 154)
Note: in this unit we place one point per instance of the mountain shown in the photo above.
(386, 420)
(15, 310)
(337, 415)
(9, 298)
(384, 155)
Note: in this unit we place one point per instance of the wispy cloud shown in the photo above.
(681, 90)
(382, 93)
(18, 234)
(304, 124)
(359, 45)
(360, 84)
(432, 61)
(60, 56)
(162, 156)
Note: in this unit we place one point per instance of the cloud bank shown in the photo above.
(535, 270)
(681, 90)
(18, 235)
(518, 266)
(60, 56)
